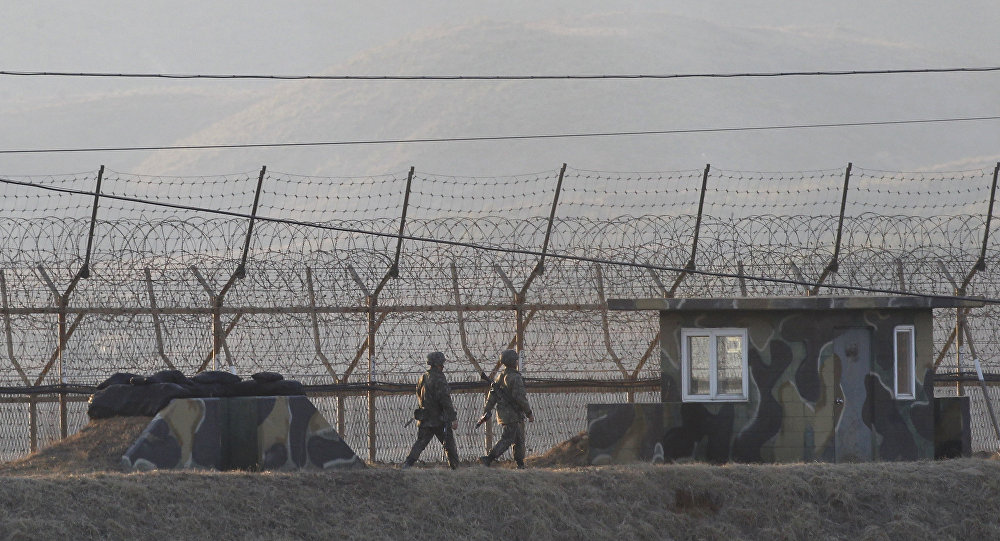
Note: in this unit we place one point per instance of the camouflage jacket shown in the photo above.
(507, 413)
(434, 397)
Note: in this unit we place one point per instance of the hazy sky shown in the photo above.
(292, 37)
(311, 37)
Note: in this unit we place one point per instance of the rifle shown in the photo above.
(418, 415)
(503, 393)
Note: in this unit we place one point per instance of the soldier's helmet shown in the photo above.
(509, 358)
(435, 358)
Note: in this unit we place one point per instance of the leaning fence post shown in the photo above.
(834, 264)
(63, 302)
(539, 269)
(85, 270)
(540, 266)
(393, 272)
(697, 228)
(241, 270)
(960, 290)
(981, 262)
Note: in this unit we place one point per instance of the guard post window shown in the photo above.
(905, 362)
(714, 364)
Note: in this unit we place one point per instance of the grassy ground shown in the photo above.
(73, 490)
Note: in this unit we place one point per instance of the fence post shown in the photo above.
(540, 266)
(960, 290)
(834, 265)
(605, 324)
(373, 325)
(218, 299)
(742, 279)
(463, 339)
(697, 229)
(155, 311)
(8, 328)
(241, 269)
(981, 262)
(314, 317)
(393, 271)
(372, 301)
(982, 384)
(85, 270)
(62, 304)
(63, 429)
(959, 323)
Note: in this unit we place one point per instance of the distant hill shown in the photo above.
(81, 112)
(610, 44)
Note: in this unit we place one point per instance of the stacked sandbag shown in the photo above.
(126, 395)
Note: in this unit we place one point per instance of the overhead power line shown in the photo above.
(497, 137)
(731, 75)
(499, 249)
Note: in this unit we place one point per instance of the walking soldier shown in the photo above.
(510, 398)
(436, 416)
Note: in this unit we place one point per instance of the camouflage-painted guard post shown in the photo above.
(510, 397)
(436, 416)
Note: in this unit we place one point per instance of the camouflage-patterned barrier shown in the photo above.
(820, 386)
(623, 433)
(952, 421)
(245, 433)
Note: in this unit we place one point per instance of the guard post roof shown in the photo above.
(820, 302)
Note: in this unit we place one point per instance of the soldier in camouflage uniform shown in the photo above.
(435, 413)
(511, 401)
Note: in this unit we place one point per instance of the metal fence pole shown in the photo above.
(241, 269)
(63, 428)
(959, 317)
(833, 265)
(157, 325)
(63, 301)
(373, 325)
(961, 290)
(8, 328)
(697, 229)
(981, 263)
(372, 301)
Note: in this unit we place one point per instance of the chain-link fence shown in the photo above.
(338, 281)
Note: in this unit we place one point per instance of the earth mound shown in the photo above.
(97, 447)
(570, 453)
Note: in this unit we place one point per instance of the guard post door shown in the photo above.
(854, 439)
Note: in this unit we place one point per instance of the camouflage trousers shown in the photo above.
(513, 434)
(444, 434)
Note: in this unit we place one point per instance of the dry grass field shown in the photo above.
(74, 490)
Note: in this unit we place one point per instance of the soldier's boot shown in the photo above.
(453, 462)
(407, 464)
(520, 464)
(486, 460)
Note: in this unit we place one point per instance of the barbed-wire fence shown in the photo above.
(346, 283)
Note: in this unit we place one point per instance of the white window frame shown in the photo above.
(913, 362)
(712, 334)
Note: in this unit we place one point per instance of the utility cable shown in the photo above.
(500, 137)
(732, 75)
